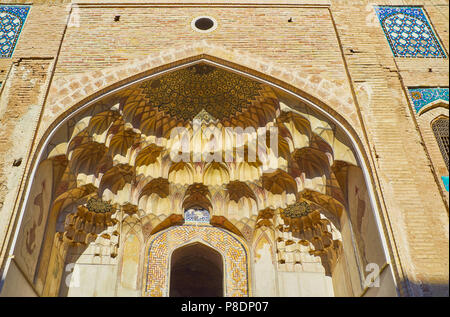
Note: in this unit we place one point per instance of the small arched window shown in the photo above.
(441, 132)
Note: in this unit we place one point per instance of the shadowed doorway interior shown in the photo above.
(196, 271)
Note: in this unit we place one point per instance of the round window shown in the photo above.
(204, 24)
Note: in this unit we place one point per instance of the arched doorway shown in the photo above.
(221, 254)
(308, 216)
(196, 271)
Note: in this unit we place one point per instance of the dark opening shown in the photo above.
(17, 162)
(204, 24)
(196, 271)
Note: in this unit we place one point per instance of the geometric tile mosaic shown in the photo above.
(408, 32)
(422, 97)
(12, 19)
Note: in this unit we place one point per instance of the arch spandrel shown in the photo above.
(128, 154)
(335, 99)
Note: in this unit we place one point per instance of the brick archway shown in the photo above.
(159, 250)
(69, 93)
(161, 288)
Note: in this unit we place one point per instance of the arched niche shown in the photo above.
(113, 154)
(196, 270)
(161, 248)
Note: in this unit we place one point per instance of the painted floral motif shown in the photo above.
(187, 92)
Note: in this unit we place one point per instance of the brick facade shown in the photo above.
(333, 52)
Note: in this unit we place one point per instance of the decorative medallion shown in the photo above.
(186, 92)
(297, 210)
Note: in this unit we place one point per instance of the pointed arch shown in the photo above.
(271, 184)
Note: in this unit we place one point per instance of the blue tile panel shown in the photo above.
(445, 180)
(196, 215)
(422, 97)
(408, 32)
(12, 19)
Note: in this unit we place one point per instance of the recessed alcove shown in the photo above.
(196, 270)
